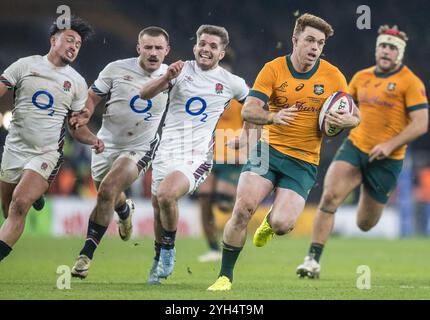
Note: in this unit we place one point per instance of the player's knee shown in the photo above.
(165, 197)
(106, 194)
(365, 225)
(246, 207)
(281, 227)
(20, 205)
(239, 220)
(330, 201)
(243, 210)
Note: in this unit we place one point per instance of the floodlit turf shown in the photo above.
(399, 270)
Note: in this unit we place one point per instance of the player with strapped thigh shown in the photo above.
(394, 110)
(131, 131)
(47, 90)
(199, 92)
(294, 87)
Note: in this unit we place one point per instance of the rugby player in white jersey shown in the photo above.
(46, 91)
(199, 92)
(130, 131)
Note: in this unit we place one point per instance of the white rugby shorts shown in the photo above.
(14, 163)
(195, 171)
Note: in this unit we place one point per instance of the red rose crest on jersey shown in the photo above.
(44, 166)
(67, 85)
(219, 88)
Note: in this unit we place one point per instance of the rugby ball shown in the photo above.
(338, 101)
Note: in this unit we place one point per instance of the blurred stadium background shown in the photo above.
(259, 31)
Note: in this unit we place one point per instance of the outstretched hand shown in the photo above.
(174, 69)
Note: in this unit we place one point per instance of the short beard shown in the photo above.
(65, 61)
(206, 68)
(389, 69)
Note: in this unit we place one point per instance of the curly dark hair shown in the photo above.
(83, 28)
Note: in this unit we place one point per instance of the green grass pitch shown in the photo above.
(399, 270)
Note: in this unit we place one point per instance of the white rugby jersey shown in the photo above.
(44, 95)
(129, 121)
(197, 100)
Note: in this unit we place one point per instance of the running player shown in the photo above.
(200, 90)
(47, 89)
(130, 130)
(294, 87)
(220, 186)
(394, 107)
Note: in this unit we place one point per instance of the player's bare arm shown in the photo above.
(154, 87)
(344, 119)
(81, 118)
(417, 126)
(253, 111)
(84, 135)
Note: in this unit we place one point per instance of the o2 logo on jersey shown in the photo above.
(38, 96)
(144, 110)
(197, 112)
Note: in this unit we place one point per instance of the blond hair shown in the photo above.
(309, 20)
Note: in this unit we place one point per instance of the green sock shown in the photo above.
(315, 251)
(229, 258)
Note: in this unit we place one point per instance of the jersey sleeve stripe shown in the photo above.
(417, 107)
(258, 94)
(6, 82)
(97, 91)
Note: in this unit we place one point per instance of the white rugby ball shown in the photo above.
(338, 101)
